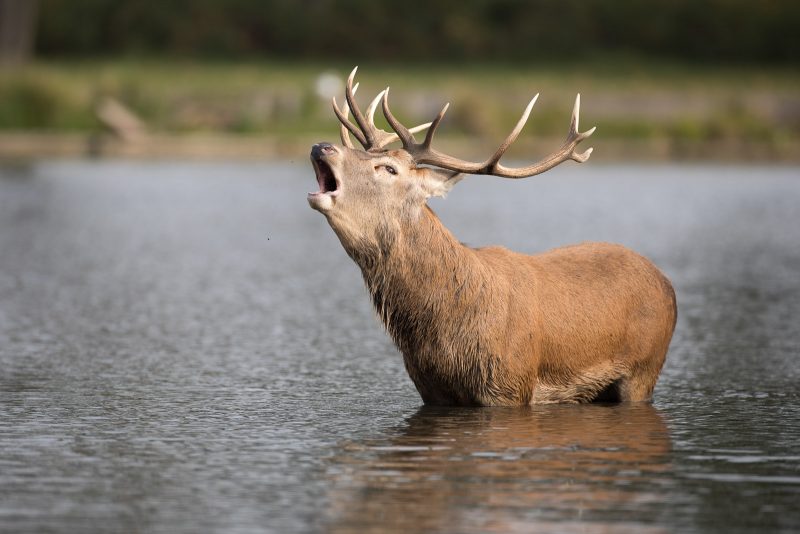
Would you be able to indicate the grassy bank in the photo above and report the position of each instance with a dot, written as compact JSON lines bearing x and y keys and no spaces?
{"x":660,"y":110}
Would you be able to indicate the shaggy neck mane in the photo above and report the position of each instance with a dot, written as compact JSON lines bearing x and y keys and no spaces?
{"x":426,"y":288}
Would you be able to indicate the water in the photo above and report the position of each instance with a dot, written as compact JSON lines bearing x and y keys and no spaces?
{"x":187,"y":348}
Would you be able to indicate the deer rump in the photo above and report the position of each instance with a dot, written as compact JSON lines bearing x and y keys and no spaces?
{"x":583,"y":323}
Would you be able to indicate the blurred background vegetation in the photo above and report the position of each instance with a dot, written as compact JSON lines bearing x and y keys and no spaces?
{"x":680,"y":79}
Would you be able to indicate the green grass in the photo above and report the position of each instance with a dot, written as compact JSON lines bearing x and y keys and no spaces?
{"x":625,"y":99}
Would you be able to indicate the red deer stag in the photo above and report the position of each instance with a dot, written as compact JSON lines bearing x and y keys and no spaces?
{"x":487,"y":326}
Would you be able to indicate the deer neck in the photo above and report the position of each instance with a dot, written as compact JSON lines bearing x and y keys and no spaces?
{"x":423,"y":284}
{"x":419,"y":266}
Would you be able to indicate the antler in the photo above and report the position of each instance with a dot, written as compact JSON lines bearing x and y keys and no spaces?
{"x":370,"y":136}
{"x":423,"y":153}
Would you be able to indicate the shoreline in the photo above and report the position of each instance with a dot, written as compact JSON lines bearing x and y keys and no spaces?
{"x":16,"y":146}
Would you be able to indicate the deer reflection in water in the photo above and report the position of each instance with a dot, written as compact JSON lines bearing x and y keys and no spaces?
{"x":594,"y":468}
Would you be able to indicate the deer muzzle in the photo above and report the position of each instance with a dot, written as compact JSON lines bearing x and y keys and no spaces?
{"x":326,"y":179}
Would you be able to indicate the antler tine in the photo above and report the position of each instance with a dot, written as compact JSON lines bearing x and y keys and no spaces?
{"x":357,"y":115}
{"x":405,"y":135}
{"x":576,"y":112}
{"x":419,"y":128}
{"x":349,"y":125}
{"x":342,"y":129}
{"x":373,"y":106}
{"x":434,"y":125}
{"x":382,"y":138}
{"x":575,"y":135}
{"x":513,"y":135}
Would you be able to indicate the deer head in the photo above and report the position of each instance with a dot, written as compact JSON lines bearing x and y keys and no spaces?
{"x":367,"y":193}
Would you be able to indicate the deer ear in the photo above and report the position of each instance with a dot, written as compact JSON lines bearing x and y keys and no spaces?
{"x":437,"y":182}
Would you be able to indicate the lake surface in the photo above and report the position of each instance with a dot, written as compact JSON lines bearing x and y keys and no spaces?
{"x":187,"y":348}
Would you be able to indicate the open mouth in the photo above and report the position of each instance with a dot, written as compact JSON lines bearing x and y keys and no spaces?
{"x":325,"y":178}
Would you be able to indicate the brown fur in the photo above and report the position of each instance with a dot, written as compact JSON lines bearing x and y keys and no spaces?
{"x":490,"y":326}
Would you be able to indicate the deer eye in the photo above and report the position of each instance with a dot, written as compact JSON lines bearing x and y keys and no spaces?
{"x":389,"y":169}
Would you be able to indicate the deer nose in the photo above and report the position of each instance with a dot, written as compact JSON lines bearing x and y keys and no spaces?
{"x":322,"y":149}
